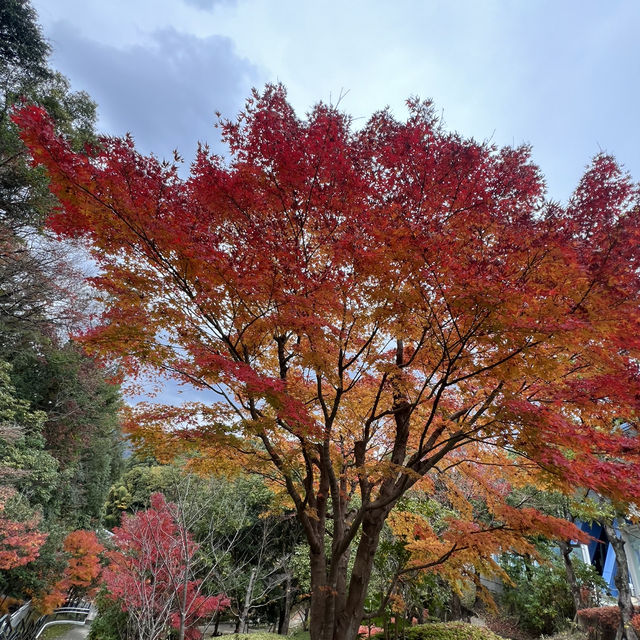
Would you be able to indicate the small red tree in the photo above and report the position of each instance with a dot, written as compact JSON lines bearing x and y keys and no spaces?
{"x":20,"y":541}
{"x":151,"y":574}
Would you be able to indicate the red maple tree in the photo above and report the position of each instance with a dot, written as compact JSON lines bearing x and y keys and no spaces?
{"x":368,"y":305}
{"x":151,"y":573}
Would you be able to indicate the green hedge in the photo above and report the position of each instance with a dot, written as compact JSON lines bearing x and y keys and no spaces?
{"x":434,"y":631}
{"x":447,"y":631}
{"x":259,"y":635}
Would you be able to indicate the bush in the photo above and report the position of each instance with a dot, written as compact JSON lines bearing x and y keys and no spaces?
{"x":111,"y":621}
{"x":541,"y":598}
{"x":446,"y":631}
{"x":259,"y":635}
{"x":601,"y":623}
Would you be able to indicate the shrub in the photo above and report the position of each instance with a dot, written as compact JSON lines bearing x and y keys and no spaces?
{"x":601,"y":623}
{"x":111,"y":621}
{"x":506,"y":627}
{"x":541,"y":598}
{"x":447,"y":631}
{"x":259,"y":635}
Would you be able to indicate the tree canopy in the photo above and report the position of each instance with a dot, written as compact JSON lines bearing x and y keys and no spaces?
{"x":374,"y":308}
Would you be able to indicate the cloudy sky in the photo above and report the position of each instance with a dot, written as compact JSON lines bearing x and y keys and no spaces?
{"x":563,"y":75}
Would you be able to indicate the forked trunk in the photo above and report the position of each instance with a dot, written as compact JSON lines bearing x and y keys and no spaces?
{"x":337,"y":610}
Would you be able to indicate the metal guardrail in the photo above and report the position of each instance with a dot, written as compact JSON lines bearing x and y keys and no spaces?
{"x":11,"y":620}
{"x":23,"y":626}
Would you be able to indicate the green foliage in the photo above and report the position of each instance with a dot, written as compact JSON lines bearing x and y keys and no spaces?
{"x":541,"y":597}
{"x":24,"y":193}
{"x":593,"y":509}
{"x":73,"y":112}
{"x":240,"y":540}
{"x":72,"y":390}
{"x":68,"y":452}
{"x":24,"y":74}
{"x":15,"y":413}
{"x":429,"y":591}
{"x":259,"y":635}
{"x":69,"y":449}
{"x":420,"y":503}
{"x":111,"y":621}
{"x":81,"y":428}
{"x":424,"y":590}
{"x":132,"y":491}
{"x":447,"y":631}
{"x":232,"y":504}
{"x":242,"y":537}
{"x":23,"y":459}
{"x":40,"y":482}
{"x":22,"y":47}
{"x":301,"y":566}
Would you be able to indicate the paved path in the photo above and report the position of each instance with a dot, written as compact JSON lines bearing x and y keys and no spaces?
{"x":79,"y":632}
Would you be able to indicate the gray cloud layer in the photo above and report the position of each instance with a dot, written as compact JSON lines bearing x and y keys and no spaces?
{"x":165,"y":93}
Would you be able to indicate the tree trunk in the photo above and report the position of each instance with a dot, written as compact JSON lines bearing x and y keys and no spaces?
{"x":283,"y":626}
{"x":335,"y":613}
{"x":243,"y":624}
{"x":456,"y":607}
{"x":318,"y":595}
{"x":346,"y":626}
{"x":565,"y":548}
{"x":626,"y":629}
{"x":181,"y":627}
{"x":278,"y":626}
{"x":183,"y":610}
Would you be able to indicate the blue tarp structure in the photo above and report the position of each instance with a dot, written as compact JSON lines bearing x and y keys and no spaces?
{"x":601,"y":554}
